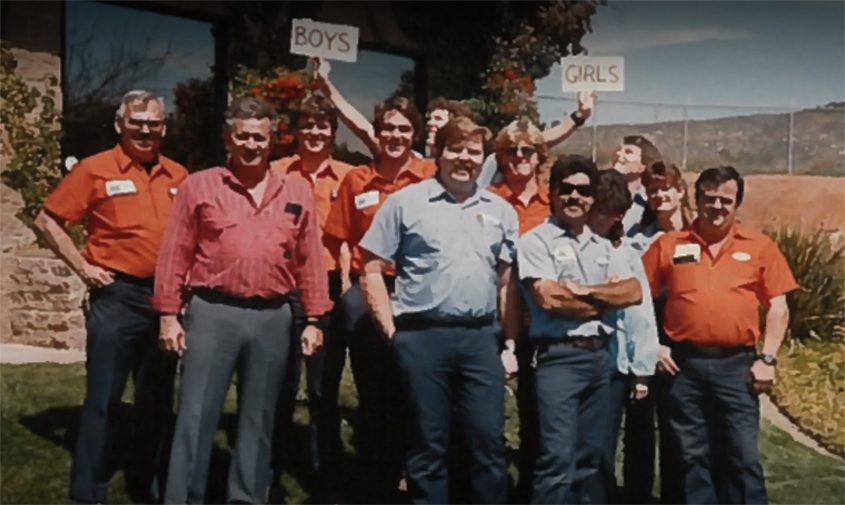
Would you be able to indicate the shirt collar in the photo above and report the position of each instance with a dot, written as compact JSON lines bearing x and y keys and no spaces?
{"x":587,"y":236}
{"x":737,"y":231}
{"x":124,"y":162}
{"x":503,"y":190}
{"x":275,"y":182}
{"x":436,"y":191}
{"x":327,"y":171}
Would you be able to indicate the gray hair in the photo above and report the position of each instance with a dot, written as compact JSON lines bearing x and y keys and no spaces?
{"x":250,"y":107}
{"x":137,"y":96}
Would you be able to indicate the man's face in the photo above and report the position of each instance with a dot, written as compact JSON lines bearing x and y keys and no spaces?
{"x":314,"y":135}
{"x":435,"y":119}
{"x":573,"y":199}
{"x":663,"y":197}
{"x":601,"y":223}
{"x":717,"y":205}
{"x":460,"y":162}
{"x":629,"y":160}
{"x":141,"y":130}
{"x":520,"y":161}
{"x":248,"y":142}
{"x":396,"y":134}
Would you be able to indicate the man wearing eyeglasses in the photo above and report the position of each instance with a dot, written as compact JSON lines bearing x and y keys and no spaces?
{"x":126,"y":192}
{"x":574,"y":282}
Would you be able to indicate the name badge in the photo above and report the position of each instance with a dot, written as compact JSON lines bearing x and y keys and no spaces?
{"x":686,"y":253}
{"x":741,"y":256}
{"x":115,"y":188}
{"x":365,"y":200}
{"x":564,"y":253}
{"x":487,"y":219}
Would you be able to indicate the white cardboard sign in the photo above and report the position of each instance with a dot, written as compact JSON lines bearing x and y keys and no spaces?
{"x":593,"y":73}
{"x":324,"y":40}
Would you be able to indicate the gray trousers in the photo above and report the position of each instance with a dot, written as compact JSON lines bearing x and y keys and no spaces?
{"x":221,"y":340}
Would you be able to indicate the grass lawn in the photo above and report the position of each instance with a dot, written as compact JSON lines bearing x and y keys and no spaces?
{"x":40,"y":408}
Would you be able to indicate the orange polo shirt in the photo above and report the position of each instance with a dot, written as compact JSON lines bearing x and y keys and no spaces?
{"x":127,"y":208}
{"x":531,"y":215}
{"x":715,"y":301}
{"x":324,"y":186}
{"x":361,"y":194}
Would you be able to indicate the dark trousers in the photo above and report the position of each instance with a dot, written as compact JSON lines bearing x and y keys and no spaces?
{"x":122,"y":339}
{"x":572,"y":390}
{"x":223,"y":339}
{"x":526,"y":399}
{"x":323,"y":373}
{"x":712,"y":405}
{"x":456,"y":370}
{"x":380,"y":429}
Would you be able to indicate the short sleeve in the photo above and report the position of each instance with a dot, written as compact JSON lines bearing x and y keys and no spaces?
{"x":383,"y":236}
{"x":777,"y":276}
{"x":651,"y":263}
{"x":533,"y":258}
{"x":71,"y":198}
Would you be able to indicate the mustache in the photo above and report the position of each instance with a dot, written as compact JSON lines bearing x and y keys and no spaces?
{"x":572,"y":201}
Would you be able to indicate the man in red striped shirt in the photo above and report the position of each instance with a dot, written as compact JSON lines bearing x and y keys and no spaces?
{"x":240,"y":239}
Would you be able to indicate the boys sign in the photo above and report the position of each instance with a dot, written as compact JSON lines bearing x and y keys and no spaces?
{"x":589,"y":73}
{"x":324,"y":40}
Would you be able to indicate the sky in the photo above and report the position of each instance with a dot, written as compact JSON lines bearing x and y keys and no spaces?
{"x":722,"y":58}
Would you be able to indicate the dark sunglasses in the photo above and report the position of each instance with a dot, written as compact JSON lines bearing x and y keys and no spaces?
{"x":401,"y":128}
{"x":522,"y":151}
{"x":582,"y":189}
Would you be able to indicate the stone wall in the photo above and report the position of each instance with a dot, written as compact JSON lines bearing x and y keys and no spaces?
{"x":40,"y":298}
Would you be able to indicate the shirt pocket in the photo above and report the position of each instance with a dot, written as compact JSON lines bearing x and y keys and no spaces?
{"x":743,"y":276}
{"x":683,"y":278}
{"x":124,"y":212}
{"x":215,"y":223}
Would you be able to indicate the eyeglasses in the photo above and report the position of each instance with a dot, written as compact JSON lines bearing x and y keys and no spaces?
{"x":388,"y":128}
{"x":521,"y":151}
{"x":582,"y":189}
{"x":138,"y":124}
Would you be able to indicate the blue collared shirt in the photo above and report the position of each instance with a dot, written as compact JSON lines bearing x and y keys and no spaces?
{"x":635,"y":345}
{"x":640,"y":237}
{"x":551,"y":252}
{"x":446,"y":253}
{"x":635,"y":213}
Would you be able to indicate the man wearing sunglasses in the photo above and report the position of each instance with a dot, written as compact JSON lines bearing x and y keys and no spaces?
{"x":574,"y":282}
{"x":127,"y":193}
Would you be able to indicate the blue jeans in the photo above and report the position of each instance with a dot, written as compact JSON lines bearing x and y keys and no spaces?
{"x":572,"y":398}
{"x":712,"y":404}
{"x":446,"y":370}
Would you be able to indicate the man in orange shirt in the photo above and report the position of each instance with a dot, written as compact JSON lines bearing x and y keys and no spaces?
{"x":315,"y":125}
{"x":126,"y":193}
{"x":716,"y":276}
{"x":379,"y":431}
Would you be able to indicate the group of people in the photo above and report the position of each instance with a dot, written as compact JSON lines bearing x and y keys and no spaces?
{"x":443,"y":276}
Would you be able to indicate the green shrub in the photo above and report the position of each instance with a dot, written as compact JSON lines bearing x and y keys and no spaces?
{"x":817,"y":308}
{"x":30,"y":134}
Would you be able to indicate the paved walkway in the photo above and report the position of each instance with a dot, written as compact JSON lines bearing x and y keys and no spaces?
{"x":17,"y":354}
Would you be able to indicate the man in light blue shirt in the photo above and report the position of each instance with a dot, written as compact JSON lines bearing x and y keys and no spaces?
{"x":631,"y":159}
{"x":453,"y":245}
{"x":575,"y":282}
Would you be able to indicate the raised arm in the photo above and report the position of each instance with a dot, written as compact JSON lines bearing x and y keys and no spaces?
{"x":351,"y":117}
{"x":557,"y":134}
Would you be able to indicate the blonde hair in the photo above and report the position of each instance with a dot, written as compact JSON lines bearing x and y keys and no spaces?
{"x":521,"y":130}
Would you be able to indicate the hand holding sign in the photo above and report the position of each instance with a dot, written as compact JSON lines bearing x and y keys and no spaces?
{"x":325,"y":40}
{"x":586,"y":103}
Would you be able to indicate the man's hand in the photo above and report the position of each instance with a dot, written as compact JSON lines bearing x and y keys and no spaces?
{"x":321,"y":69}
{"x":762,"y":377}
{"x":586,"y":103}
{"x":665,"y":363}
{"x":389,"y":330}
{"x":639,"y":388}
{"x":509,"y":360}
{"x":95,"y":276}
{"x":312,"y":339}
{"x":171,"y":335}
{"x":575,"y":288}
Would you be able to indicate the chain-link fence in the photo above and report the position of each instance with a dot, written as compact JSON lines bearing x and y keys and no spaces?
{"x":776,"y":140}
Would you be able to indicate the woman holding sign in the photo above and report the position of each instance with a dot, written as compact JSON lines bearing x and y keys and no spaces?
{"x":397,"y":126}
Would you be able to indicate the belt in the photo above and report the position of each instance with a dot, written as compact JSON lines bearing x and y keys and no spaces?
{"x":144,"y":282}
{"x":253,"y":302}
{"x":412,"y":322}
{"x":690,"y":350}
{"x":595,"y":343}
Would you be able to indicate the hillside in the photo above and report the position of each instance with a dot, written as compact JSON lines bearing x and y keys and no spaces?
{"x":752,"y":144}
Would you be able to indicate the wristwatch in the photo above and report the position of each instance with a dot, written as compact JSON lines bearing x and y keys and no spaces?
{"x":578,"y":119}
{"x":769,"y":359}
